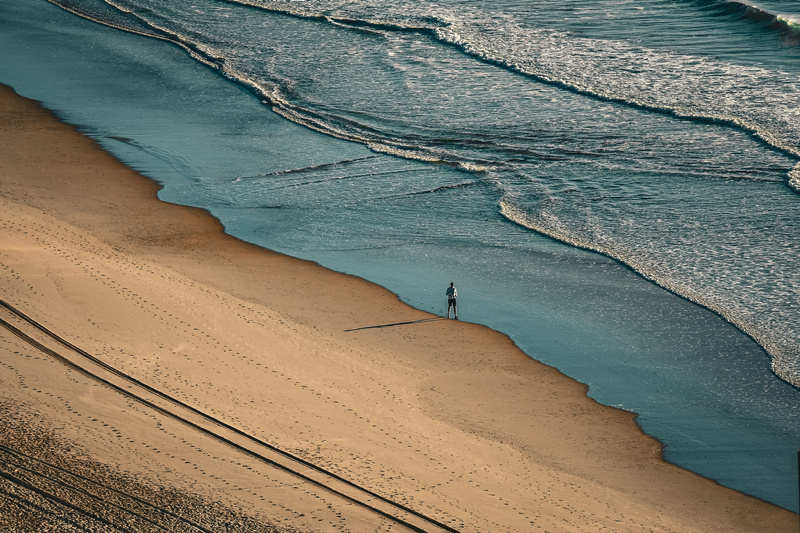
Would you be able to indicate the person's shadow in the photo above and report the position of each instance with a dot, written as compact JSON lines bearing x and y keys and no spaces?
{"x":434,"y":319}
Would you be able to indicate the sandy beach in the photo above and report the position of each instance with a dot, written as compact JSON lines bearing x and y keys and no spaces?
{"x":160,"y":374}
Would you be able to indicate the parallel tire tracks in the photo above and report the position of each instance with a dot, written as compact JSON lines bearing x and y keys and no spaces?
{"x":92,"y":367}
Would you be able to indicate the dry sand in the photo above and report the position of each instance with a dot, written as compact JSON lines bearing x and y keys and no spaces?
{"x":449,"y":419}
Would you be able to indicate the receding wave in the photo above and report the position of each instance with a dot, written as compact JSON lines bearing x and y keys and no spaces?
{"x":312,"y":168}
{"x":549,"y":56}
{"x":784,"y":359}
{"x":641,"y":78}
{"x":512,"y":48}
{"x":111,"y":16}
{"x":378,"y":22}
{"x":462,"y":185}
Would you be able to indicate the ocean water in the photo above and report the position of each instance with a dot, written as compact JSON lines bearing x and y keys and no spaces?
{"x":612,"y":184}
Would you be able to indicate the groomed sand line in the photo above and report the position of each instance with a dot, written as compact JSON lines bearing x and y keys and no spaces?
{"x":449,"y":419}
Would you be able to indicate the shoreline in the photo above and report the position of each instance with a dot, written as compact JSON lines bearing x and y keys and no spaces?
{"x":450,"y":418}
{"x":767,"y":346}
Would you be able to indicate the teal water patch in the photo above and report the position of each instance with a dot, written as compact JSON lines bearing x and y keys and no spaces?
{"x":700,"y":386}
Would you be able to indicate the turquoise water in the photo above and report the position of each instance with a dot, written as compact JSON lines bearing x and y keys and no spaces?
{"x":449,"y":142}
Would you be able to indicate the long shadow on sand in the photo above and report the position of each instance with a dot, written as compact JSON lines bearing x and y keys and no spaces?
{"x":399,"y":324}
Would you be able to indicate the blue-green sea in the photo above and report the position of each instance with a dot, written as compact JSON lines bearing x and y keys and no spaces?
{"x":613,"y":184}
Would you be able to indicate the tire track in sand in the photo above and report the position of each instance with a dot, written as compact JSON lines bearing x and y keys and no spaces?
{"x":51,"y":344}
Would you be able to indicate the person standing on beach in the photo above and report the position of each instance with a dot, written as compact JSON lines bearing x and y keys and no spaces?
{"x":452,"y":294}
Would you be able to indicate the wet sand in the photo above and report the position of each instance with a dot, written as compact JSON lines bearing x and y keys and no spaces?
{"x":207,"y":359}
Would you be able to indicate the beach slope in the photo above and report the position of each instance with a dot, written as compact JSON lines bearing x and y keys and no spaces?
{"x":156,"y":372}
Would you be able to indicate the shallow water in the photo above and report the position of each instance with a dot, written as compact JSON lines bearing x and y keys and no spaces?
{"x":702,"y":207}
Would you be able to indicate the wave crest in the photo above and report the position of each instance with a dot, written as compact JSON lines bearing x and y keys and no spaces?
{"x":785,"y":361}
